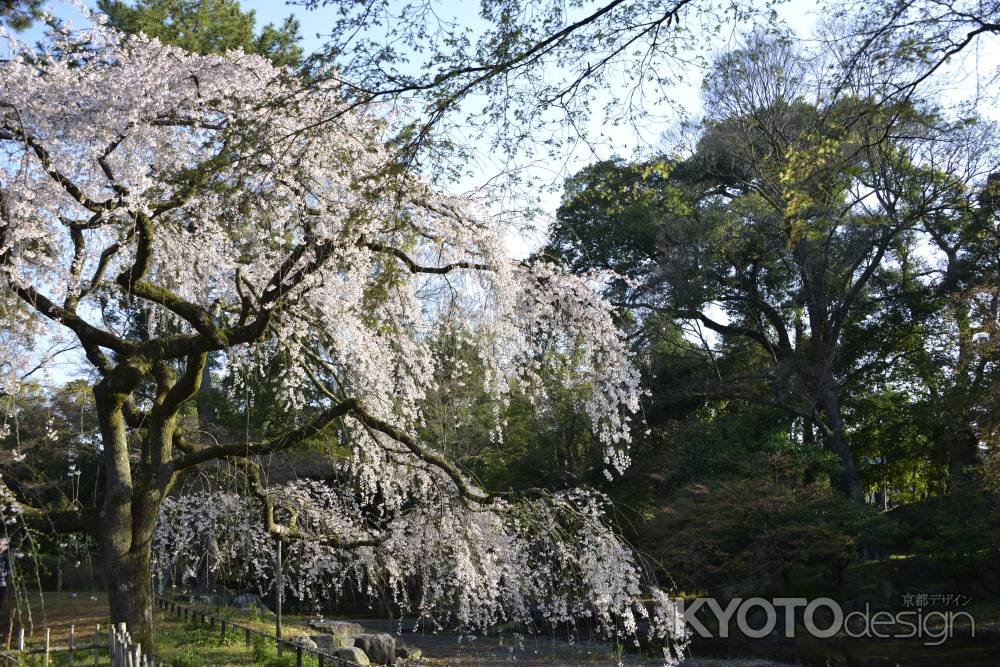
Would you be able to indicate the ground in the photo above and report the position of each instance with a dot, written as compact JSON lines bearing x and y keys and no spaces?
{"x":193,"y":644}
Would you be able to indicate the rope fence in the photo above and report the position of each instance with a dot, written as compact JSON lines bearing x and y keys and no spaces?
{"x":202,"y":617}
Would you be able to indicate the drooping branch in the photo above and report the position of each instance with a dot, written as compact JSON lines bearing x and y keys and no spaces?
{"x":316,"y":426}
{"x":11,"y":132}
{"x":422,"y":453}
{"x":291,"y":530}
{"x":414,"y":267}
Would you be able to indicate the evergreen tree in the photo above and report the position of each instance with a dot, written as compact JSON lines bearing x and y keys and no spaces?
{"x":207,"y":26}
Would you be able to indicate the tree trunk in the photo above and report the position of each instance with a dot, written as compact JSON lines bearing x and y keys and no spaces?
{"x":963,"y":455}
{"x":130,"y":590}
{"x":836,"y":441}
{"x":203,"y":404}
{"x":129,"y":513}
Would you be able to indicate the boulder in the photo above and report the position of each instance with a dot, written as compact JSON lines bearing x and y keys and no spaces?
{"x":246,"y":601}
{"x":250,"y":602}
{"x":337,"y":628}
{"x":211,"y":599}
{"x":408,"y":653}
{"x":304,"y":642}
{"x":380,"y":648}
{"x":330,"y":642}
{"x":352,"y":654}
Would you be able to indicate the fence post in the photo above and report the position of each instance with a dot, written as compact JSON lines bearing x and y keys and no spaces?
{"x":72,"y":643}
{"x":246,"y":637}
{"x":298,"y":655}
{"x":97,"y":642}
{"x":47,"y":635}
{"x":322,"y":659}
{"x":278,"y":586}
{"x":20,"y":639}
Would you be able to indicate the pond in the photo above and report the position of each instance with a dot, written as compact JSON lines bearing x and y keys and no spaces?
{"x":449,"y":649}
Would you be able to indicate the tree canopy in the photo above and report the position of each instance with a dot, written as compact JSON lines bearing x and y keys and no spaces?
{"x":206,"y":26}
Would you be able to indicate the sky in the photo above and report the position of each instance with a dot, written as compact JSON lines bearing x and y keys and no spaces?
{"x":618,"y":141}
{"x":800,"y":16}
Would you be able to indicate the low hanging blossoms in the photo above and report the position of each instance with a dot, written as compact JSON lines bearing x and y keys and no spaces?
{"x":547,"y":562}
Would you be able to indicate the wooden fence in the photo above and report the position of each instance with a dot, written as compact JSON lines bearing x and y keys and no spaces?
{"x":204,"y":618}
{"x":74,"y":648}
{"x":125,"y":652}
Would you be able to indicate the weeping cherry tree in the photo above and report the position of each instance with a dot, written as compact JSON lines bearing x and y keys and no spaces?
{"x":234,"y":211}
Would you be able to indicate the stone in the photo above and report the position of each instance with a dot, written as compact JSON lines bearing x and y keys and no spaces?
{"x":352,"y":654}
{"x":337,"y":628}
{"x":408,"y":653}
{"x":380,"y":648}
{"x":330,"y":642}
{"x":250,"y":602}
{"x":304,"y":642}
{"x":246,"y":601}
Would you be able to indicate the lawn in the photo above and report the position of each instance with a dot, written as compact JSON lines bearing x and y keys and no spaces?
{"x":179,"y":643}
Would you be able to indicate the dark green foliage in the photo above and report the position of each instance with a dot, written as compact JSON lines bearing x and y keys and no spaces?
{"x":57,"y":435}
{"x":206,"y":26}
{"x":548,"y":442}
{"x":19,"y":14}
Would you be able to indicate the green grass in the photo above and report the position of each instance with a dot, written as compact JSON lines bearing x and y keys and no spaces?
{"x":178,"y":642}
{"x":193,"y":644}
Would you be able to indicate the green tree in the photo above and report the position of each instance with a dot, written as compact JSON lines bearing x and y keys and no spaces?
{"x":207,"y":26}
{"x":19,"y":14}
{"x":771,"y":237}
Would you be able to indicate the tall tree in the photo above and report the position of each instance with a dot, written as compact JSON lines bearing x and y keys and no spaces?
{"x":207,"y":26}
{"x":205,"y":190}
{"x":771,"y":235}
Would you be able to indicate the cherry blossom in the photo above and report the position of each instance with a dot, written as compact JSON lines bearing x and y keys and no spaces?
{"x":232,"y":209}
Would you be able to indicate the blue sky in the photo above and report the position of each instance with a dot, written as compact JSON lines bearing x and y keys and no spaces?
{"x":623,"y":141}
{"x":799,"y":15}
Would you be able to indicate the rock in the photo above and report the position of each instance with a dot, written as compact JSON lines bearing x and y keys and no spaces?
{"x":380,"y":648}
{"x":330,"y":642}
{"x":304,"y":642}
{"x":246,"y":600}
{"x":352,"y":654}
{"x":408,"y":653}
{"x":337,"y":628}
{"x":250,"y":602}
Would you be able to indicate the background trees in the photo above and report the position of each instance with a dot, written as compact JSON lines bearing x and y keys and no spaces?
{"x":797,"y":280}
{"x":206,"y":26}
{"x":787,"y":235}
